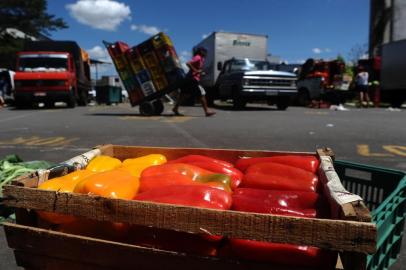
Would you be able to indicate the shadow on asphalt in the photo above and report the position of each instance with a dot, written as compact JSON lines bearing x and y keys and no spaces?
{"x":135,"y":114}
{"x":247,"y":108}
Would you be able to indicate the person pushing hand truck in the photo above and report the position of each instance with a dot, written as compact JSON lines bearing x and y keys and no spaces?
{"x":192,"y":85}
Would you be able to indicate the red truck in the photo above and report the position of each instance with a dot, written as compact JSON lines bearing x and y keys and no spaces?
{"x":50,"y":71}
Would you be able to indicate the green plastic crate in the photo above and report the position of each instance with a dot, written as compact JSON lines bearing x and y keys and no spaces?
{"x":384,"y":192}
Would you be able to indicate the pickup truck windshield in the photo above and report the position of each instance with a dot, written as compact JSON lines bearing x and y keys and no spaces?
{"x":249,"y":65}
{"x":43,"y":62}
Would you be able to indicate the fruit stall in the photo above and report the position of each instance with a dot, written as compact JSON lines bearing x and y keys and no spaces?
{"x":121,"y":207}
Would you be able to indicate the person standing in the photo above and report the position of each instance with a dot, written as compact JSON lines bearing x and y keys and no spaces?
{"x":361,"y":84}
{"x":192,"y":82}
{"x":3,"y":89}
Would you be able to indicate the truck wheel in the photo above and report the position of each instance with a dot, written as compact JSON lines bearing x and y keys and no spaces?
{"x":49,"y":104}
{"x":21,"y":103}
{"x":147,"y":108}
{"x":83,"y":99}
{"x":158,"y":107}
{"x":71,"y":100}
{"x":238,"y":101}
{"x":282,"y":104}
{"x":303,"y":97}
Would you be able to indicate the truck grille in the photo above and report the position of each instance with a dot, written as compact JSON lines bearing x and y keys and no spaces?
{"x":40,"y":83}
{"x":270,"y":82}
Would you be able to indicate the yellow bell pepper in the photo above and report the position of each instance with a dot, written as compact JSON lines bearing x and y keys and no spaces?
{"x":117,"y":183}
{"x":136,"y":165}
{"x":103,"y":163}
{"x":65,"y":183}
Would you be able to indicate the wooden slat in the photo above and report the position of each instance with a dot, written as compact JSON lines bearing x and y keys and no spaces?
{"x":355,"y":211}
{"x":32,"y":261}
{"x":123,"y":152}
{"x":323,"y":233}
{"x":45,"y":249}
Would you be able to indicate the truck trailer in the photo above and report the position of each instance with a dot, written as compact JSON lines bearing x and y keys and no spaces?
{"x":50,"y":71}
{"x":393,"y":67}
{"x":236,"y":68}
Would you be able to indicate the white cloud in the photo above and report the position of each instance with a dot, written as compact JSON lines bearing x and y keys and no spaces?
{"x":97,"y":52}
{"x":146,"y":29}
{"x":100,"y":14}
{"x":101,"y":54}
{"x":205,"y":36}
{"x":317,"y":50}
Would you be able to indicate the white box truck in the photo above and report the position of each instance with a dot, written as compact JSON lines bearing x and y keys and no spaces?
{"x":393,"y":79}
{"x":236,"y":68}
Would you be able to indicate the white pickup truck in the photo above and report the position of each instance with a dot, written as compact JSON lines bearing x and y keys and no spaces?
{"x":236,"y":68}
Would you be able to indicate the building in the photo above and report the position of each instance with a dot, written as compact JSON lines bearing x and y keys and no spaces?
{"x":387,"y":23}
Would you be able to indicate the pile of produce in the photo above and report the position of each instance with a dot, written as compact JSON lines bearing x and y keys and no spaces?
{"x":11,"y":167}
{"x":283,"y":185}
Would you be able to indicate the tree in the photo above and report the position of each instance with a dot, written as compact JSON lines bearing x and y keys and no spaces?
{"x":357,"y":52}
{"x":30,"y":17}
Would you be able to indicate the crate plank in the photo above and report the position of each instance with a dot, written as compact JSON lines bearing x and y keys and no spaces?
{"x":123,"y":152}
{"x":32,"y":261}
{"x":41,"y":249}
{"x":324,"y":233}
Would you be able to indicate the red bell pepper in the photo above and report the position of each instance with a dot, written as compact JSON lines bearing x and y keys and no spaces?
{"x":189,"y":195}
{"x":235,"y":175}
{"x":201,"y":158}
{"x":280,"y":202}
{"x":284,"y":254}
{"x":177,"y":173}
{"x":158,"y":181}
{"x":308,"y":163}
{"x":290,"y":203}
{"x":170,"y":179}
{"x":214,"y":165}
{"x":269,"y":175}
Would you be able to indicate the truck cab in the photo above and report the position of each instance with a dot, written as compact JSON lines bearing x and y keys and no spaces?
{"x":245,"y":80}
{"x":51,"y":71}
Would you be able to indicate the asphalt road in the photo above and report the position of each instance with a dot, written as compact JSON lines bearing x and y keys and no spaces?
{"x":371,"y":136}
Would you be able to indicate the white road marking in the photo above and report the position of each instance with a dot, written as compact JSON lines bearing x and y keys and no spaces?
{"x":16,"y":117}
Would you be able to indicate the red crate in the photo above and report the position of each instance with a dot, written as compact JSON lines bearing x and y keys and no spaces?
{"x":118,"y":48}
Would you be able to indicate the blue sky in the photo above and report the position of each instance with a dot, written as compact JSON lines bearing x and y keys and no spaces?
{"x":297,"y":29}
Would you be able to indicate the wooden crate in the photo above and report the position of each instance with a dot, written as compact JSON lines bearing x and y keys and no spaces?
{"x":350,"y":232}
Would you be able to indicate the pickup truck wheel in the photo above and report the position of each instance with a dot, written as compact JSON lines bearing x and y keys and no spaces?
{"x":238,"y":101}
{"x":282,"y":104}
{"x":303,"y":97}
